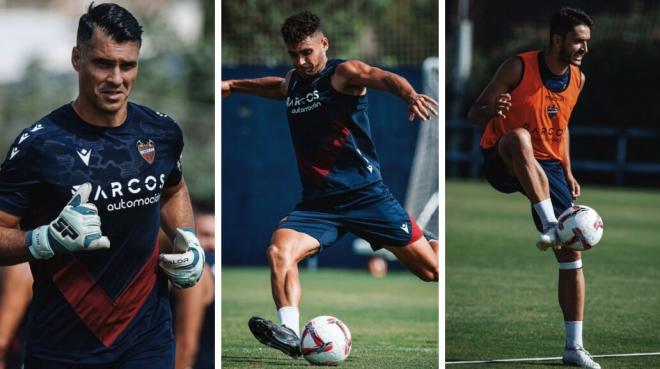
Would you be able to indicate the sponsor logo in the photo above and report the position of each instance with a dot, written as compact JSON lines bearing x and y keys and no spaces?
{"x":147,"y":150}
{"x":13,"y":153}
{"x":404,"y":226}
{"x":544,"y":134}
{"x":150,"y":187}
{"x":64,"y":229}
{"x":84,"y":155}
{"x":23,"y":137}
{"x":37,"y":127}
{"x":303,"y":104}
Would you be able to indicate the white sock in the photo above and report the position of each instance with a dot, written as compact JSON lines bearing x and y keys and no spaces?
{"x":573,"y":334}
{"x":290,"y":316}
{"x":546,"y":213}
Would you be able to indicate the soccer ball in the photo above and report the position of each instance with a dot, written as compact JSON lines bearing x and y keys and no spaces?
{"x":326,"y":341}
{"x":579,"y":227}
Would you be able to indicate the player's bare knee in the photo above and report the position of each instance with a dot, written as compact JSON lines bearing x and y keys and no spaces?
{"x":430,"y":274}
{"x":277,"y":255}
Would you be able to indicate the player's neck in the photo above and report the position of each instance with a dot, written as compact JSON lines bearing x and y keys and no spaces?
{"x":93,"y":116}
{"x":555,"y":64}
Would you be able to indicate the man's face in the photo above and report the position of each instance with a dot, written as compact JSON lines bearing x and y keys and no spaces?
{"x":205,"y":228}
{"x":575,"y":45}
{"x":106,"y":73}
{"x":308,"y":57}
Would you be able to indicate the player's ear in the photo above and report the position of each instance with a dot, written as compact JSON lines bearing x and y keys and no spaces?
{"x":325,"y":43}
{"x":75,"y":58}
{"x":557,"y":41}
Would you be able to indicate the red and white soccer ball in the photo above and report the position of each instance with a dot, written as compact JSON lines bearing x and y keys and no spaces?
{"x":326,"y":340}
{"x":580,"y":227}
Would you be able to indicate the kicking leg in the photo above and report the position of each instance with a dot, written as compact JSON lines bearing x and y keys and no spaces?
{"x":420,"y":258}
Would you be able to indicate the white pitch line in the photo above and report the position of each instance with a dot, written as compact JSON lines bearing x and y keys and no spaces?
{"x":545,"y":358}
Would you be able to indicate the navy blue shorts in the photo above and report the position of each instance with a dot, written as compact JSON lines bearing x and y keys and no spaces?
{"x":142,"y":356}
{"x":371,"y":213}
{"x":499,"y":176}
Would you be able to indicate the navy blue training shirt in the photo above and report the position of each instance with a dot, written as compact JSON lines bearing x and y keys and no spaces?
{"x":91,"y":306}
{"x":331,"y":136}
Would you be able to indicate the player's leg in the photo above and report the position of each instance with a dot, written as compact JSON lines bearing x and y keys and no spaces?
{"x":515,"y":150}
{"x":419,"y":257}
{"x":288,"y":248}
{"x":383,"y":222}
{"x":571,"y":285}
{"x":299,"y":235}
{"x":571,"y":295}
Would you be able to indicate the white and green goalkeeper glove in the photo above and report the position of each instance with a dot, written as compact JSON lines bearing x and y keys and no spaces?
{"x":184,"y":267}
{"x":78,"y":227}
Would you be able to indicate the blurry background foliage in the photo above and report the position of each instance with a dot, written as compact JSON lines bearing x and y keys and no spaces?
{"x":175,"y":78}
{"x":386,"y":33}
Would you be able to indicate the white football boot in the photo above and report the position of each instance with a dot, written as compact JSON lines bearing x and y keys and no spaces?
{"x":579,"y":357}
{"x":549,"y":239}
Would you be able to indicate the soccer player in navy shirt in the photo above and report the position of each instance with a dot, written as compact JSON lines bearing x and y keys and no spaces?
{"x":92,"y":182}
{"x":342,"y":187}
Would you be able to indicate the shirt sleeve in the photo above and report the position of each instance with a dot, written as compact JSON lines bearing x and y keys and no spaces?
{"x":18,"y":177}
{"x":176,"y":174}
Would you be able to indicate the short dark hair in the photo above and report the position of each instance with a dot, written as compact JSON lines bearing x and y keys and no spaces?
{"x":566,"y":19}
{"x":298,"y":27}
{"x":115,"y":21}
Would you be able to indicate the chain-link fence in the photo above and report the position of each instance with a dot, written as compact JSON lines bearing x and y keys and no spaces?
{"x":382,"y":32}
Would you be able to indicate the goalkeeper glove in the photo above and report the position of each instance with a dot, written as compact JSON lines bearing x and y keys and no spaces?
{"x":78,"y":227}
{"x":184,"y":267}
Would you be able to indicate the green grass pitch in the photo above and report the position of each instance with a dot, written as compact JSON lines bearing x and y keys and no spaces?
{"x":393,"y":320}
{"x":501,"y":294}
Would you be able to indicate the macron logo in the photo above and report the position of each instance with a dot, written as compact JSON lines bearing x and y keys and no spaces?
{"x":37,"y":127}
{"x":84,"y":155}
{"x":23,"y":137}
{"x":404,"y":226}
{"x":13,"y":153}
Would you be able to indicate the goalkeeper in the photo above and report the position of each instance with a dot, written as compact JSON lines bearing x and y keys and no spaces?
{"x":92,"y":182}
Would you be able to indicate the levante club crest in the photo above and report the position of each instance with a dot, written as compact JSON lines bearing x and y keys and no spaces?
{"x":147,"y":150}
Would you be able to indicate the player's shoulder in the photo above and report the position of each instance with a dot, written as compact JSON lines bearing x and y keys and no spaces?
{"x":154,"y":118}
{"x":30,"y":141}
{"x":348,"y":67}
{"x":44,"y":128}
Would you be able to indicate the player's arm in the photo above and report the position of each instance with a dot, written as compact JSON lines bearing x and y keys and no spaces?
{"x":183,"y":264}
{"x":268,"y":87}
{"x":189,"y":315}
{"x":12,"y":241}
{"x":573,"y":184}
{"x":495,"y":99}
{"x":353,"y":76}
{"x":175,"y":209}
{"x":16,"y":296}
{"x":76,"y":228}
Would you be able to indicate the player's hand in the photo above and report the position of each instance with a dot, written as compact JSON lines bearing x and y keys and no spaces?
{"x":573,"y":185}
{"x":184,"y":267}
{"x":78,"y":227}
{"x":502,"y":104}
{"x":225,"y":87}
{"x":421,"y":106}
